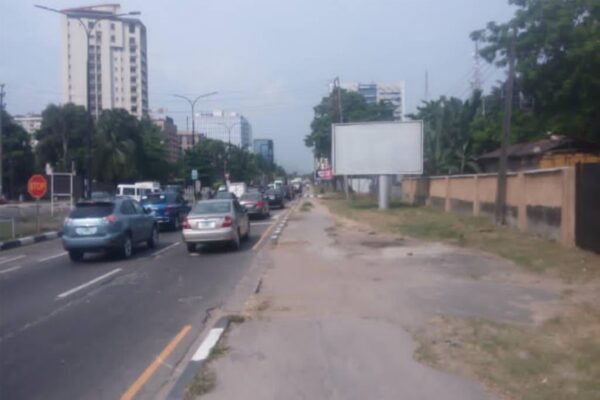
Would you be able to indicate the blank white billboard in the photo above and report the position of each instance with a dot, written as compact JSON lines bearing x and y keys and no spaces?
{"x":377,"y":148}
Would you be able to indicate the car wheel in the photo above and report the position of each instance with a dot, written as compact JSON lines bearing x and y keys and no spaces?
{"x":76,"y":255}
{"x":235,"y":243}
{"x":153,"y":241}
{"x":191,"y":247}
{"x":126,"y":248}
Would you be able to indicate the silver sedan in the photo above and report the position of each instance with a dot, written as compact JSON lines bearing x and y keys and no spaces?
{"x":213,"y":221}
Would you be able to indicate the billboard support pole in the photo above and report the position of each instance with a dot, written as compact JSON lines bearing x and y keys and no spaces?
{"x":384,"y":195}
{"x":346,"y":191}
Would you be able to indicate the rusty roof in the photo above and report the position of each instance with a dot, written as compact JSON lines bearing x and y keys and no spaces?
{"x":560,"y":144}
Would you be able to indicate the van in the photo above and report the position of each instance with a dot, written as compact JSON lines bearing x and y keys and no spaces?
{"x":137,"y":190}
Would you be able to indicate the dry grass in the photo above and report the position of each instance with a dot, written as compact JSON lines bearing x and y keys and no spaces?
{"x":306,"y":206}
{"x":560,"y":359}
{"x":533,"y":253}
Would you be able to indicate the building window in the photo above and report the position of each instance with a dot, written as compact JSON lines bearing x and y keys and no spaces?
{"x":133,"y":109}
{"x":112,"y":38}
{"x":112,"y":26}
{"x":91,"y":24}
{"x":131,"y":28}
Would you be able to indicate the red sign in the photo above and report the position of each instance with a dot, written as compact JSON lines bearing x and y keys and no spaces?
{"x":325,"y":174}
{"x":37,"y":186}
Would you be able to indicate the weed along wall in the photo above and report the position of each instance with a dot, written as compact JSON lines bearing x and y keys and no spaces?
{"x":540,"y":202}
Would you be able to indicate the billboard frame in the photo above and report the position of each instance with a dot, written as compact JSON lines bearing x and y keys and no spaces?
{"x":421,"y":149}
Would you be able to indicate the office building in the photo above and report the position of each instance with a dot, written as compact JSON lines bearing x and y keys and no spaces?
{"x":230,"y":127}
{"x":391,"y":92}
{"x":264,"y":148}
{"x":171,"y":139}
{"x":118,"y":72}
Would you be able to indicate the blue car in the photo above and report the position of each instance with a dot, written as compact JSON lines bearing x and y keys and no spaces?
{"x":168,"y":209}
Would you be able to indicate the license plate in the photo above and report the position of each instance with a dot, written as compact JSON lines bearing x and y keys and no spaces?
{"x":86,"y":231}
{"x":206,"y":224}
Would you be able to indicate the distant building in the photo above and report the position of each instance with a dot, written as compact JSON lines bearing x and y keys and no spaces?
{"x":31,"y":123}
{"x":557,"y":151}
{"x":118,"y":73}
{"x":227,"y":126}
{"x":391,"y":92}
{"x":185,"y":139}
{"x":264,"y":148}
{"x":172,"y":139}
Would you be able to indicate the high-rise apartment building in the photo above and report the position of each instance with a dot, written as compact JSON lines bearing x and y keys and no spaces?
{"x":171,"y":140}
{"x":118,"y":70}
{"x":264,"y":148}
{"x":391,"y":92}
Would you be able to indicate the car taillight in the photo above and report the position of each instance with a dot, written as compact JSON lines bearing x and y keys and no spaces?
{"x":168,"y":209}
{"x":260,"y":203}
{"x":186,"y":223}
{"x":111,"y":218}
{"x":227,"y":221}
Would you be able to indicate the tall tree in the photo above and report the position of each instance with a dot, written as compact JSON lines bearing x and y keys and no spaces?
{"x":62,"y":138}
{"x":17,"y":157}
{"x":355,"y":109}
{"x":557,"y":43}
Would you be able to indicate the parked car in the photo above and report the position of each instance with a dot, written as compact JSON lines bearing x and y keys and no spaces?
{"x":117,"y":225}
{"x":213,"y":221}
{"x":255,"y":204}
{"x":275,"y":197}
{"x":222,"y":195}
{"x":167,"y":208}
{"x":101,"y":196}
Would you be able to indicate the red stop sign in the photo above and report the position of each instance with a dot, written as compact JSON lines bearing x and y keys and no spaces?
{"x":37,"y":186}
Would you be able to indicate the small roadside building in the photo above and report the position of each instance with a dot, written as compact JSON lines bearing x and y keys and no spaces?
{"x":554,"y":152}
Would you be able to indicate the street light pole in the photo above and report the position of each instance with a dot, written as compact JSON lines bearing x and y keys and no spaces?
{"x":1,"y":132}
{"x":95,"y":18}
{"x":229,"y":128}
{"x":193,"y":105}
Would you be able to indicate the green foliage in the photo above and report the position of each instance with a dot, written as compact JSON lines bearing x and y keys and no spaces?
{"x":17,"y":157}
{"x":355,"y":109}
{"x":212,"y":158}
{"x":62,"y":138}
{"x":557,"y":47}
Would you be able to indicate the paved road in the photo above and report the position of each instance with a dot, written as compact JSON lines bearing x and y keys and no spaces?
{"x":87,"y":331}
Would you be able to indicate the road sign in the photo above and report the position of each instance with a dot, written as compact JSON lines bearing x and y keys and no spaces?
{"x":194,"y":174}
{"x":325,"y":174}
{"x":37,"y":186}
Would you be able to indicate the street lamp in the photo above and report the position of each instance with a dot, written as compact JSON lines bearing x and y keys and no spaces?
{"x":95,"y":17}
{"x":192,"y":105}
{"x":229,"y":128}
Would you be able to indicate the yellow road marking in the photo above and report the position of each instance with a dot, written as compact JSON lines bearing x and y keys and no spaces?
{"x":266,"y":233}
{"x":145,"y":376}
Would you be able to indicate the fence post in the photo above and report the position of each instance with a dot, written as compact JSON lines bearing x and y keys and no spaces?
{"x":522,"y":202}
{"x":567,"y":214}
{"x":447,"y":200}
{"x":476,"y":205}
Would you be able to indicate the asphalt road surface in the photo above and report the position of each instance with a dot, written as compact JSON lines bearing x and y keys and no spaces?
{"x":88,"y":330}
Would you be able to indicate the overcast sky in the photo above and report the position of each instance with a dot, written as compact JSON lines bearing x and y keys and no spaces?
{"x":271,"y":60}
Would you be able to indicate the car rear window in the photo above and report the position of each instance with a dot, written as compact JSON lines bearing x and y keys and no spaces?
{"x":154,"y":199}
{"x":92,"y":210}
{"x":224,"y":195}
{"x":251,"y":196}
{"x":216,"y":207}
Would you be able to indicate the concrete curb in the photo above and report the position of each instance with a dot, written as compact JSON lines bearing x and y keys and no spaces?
{"x":11,"y":244}
{"x":281,"y":225}
{"x":199,"y":358}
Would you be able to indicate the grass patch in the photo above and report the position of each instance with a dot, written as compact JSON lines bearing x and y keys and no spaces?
{"x":533,"y":253}
{"x":237,"y":318}
{"x":206,"y":379}
{"x":559,"y":359}
{"x":306,"y":206}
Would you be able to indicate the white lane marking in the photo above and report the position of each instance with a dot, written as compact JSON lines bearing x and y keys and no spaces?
{"x":208,"y":343}
{"x":95,"y":280}
{"x":12,"y":259}
{"x":4,"y":271}
{"x":164,"y":250}
{"x":64,"y":253}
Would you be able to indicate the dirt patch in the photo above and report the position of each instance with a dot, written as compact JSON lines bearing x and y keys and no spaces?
{"x":558,"y":359}
{"x":289,"y":243}
{"x":381,"y":244}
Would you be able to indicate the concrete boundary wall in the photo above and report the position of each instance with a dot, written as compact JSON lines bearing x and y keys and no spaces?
{"x":540,"y":202}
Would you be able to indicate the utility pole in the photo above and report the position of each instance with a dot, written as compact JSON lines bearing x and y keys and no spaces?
{"x":500,"y":210}
{"x":338,"y":92}
{"x":1,"y":133}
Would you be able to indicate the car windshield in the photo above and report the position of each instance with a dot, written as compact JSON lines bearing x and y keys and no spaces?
{"x":251,"y":197}
{"x":92,"y":210}
{"x":211,"y":207}
{"x":155,"y":199}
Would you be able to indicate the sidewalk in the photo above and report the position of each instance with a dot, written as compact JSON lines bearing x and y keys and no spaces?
{"x":339,"y":306}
